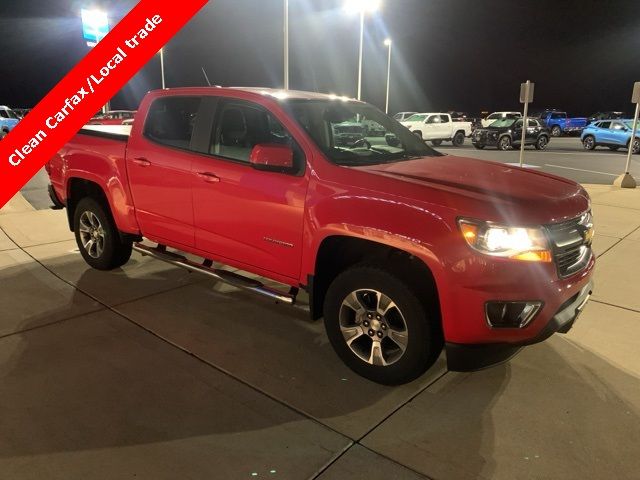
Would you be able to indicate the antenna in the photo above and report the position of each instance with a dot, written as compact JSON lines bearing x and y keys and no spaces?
{"x":205,"y":76}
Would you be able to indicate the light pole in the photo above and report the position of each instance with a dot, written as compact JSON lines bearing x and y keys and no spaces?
{"x":389,"y":44}
{"x":95,"y":26}
{"x":162,"y":67}
{"x":286,"y":44}
{"x":362,"y":7}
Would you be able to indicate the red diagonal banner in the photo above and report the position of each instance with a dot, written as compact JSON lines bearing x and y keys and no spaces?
{"x":97,"y":78}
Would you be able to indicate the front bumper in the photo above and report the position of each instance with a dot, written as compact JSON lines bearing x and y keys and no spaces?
{"x":470,"y":357}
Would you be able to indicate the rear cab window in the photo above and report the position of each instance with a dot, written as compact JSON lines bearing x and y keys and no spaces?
{"x":171,"y":121}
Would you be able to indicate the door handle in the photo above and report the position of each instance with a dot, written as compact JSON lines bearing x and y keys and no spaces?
{"x":143,"y":162}
{"x":209,"y":177}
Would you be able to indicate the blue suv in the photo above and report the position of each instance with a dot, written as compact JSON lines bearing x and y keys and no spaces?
{"x":8,"y":119}
{"x":614,"y":134}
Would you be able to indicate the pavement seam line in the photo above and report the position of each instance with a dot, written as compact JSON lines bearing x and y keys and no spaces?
{"x":332,"y":461}
{"x":54,"y":322}
{"x":615,"y":306}
{"x":409,"y":400}
{"x":191,"y":354}
{"x":619,"y":240}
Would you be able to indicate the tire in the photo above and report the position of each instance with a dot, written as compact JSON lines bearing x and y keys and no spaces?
{"x":614,"y":148}
{"x":418,"y":334}
{"x":589,"y":142}
{"x":479,"y":146}
{"x":98,"y":238}
{"x":556,"y":131}
{"x":504,"y":143}
{"x":436,"y":143}
{"x":458,"y":139}
{"x":418,"y":133}
{"x":542,"y":142}
{"x":636,"y":146}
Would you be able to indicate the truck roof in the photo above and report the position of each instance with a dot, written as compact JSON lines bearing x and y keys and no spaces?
{"x":271,"y":92}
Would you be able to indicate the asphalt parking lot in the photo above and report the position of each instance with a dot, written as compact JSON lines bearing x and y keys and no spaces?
{"x":150,"y":372}
{"x":564,"y":157}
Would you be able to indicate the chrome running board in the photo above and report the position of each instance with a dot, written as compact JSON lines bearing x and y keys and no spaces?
{"x":206,"y":268}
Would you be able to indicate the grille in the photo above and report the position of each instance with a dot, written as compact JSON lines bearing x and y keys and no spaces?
{"x":571,"y":242}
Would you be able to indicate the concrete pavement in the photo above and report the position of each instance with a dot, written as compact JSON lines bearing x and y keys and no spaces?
{"x":149,"y":372}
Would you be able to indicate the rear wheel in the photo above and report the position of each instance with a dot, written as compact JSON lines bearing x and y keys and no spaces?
{"x":504,"y":143}
{"x":556,"y":131}
{"x":635,"y":149}
{"x":98,"y":238}
{"x":418,"y":133}
{"x":589,"y":142}
{"x":436,"y":143}
{"x":458,"y":139}
{"x":379,"y":327}
{"x":542,"y":142}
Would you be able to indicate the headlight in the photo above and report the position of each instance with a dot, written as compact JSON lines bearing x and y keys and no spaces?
{"x":518,"y":243}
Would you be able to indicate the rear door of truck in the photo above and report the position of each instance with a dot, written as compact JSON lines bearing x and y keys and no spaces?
{"x":159,"y":162}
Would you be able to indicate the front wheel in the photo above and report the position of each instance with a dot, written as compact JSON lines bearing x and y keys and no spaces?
{"x":504,"y":143}
{"x":556,"y":131}
{"x":436,"y":143}
{"x":542,"y":142}
{"x":589,"y":142}
{"x":636,"y":146}
{"x":458,"y":139}
{"x":98,"y":238}
{"x":379,"y":327}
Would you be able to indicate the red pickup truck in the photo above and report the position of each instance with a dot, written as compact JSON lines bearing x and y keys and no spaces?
{"x":401,"y":249}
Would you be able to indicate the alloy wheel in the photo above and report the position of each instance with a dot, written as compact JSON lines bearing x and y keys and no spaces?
{"x":92,"y":234}
{"x":373,"y":327}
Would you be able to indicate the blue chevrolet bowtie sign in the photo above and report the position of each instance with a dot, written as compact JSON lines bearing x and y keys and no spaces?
{"x":95,"y":26}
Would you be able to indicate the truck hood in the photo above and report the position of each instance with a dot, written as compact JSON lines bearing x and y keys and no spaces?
{"x":487,"y":190}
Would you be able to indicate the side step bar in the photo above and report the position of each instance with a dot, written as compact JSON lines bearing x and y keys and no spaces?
{"x":225,"y":276}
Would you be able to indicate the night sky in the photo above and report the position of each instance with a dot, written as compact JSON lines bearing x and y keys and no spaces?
{"x":468,"y":55}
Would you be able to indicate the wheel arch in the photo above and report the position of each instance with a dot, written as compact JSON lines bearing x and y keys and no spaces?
{"x":354,"y":250}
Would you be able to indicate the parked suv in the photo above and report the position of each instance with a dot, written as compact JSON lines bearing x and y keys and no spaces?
{"x":8,"y":119}
{"x":401,"y":249}
{"x":507,"y":133}
{"x":614,"y":134}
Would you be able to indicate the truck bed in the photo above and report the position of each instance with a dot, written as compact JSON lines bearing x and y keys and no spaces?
{"x":112,"y":132}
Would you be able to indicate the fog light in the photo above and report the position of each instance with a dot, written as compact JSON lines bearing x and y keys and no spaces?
{"x":511,"y":314}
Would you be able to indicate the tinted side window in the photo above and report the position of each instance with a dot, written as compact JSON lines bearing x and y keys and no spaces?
{"x":533,"y":123}
{"x":444,"y":119}
{"x":4,"y":114}
{"x":604,"y":124}
{"x":241,"y":126}
{"x":171,"y":120}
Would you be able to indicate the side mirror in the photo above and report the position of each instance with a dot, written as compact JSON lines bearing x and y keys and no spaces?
{"x":272,"y":157}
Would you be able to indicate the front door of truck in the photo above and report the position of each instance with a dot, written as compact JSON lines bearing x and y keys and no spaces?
{"x":159,"y":160}
{"x":242,"y":214}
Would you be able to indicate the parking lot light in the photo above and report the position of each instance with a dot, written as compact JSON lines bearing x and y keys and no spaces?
{"x":362,"y":7}
{"x":388,"y":43}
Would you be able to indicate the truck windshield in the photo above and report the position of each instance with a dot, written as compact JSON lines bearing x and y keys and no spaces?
{"x":353,"y":133}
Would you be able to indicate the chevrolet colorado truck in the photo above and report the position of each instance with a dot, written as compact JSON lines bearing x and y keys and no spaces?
{"x":402,"y":250}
